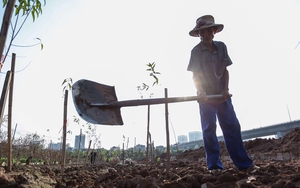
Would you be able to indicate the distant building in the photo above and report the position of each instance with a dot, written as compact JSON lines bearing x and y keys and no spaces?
{"x":82,"y":145}
{"x":195,"y":135}
{"x":69,"y":148}
{"x":182,"y":139}
{"x":55,"y":146}
{"x":58,"y":146}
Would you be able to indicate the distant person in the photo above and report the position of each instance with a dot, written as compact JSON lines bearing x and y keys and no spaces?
{"x":208,"y":62}
{"x":93,"y":157}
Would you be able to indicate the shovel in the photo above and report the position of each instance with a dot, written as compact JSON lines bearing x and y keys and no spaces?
{"x":98,"y":104}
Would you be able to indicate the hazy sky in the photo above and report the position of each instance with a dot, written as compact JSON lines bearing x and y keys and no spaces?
{"x":111,"y":42}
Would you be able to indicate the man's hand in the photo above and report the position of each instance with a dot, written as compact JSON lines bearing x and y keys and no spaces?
{"x":225,"y":94}
{"x":202,"y":95}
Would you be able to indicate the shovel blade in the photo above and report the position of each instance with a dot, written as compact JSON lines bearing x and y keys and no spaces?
{"x":86,"y":92}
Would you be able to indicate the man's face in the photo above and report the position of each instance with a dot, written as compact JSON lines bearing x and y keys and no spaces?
{"x":207,"y":34}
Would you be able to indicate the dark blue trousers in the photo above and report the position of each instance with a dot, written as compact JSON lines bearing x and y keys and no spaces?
{"x":231,"y":131}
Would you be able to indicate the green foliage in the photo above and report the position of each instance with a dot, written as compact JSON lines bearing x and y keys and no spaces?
{"x":67,"y":84}
{"x":24,"y":8}
{"x":104,"y":154}
{"x":42,"y":46}
{"x":23,"y":160}
{"x":158,"y":159}
{"x":37,"y":160}
{"x":3,"y":160}
{"x":153,"y":73}
{"x":4,"y":3}
{"x":27,"y":7}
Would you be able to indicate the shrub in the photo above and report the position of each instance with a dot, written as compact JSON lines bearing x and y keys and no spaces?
{"x":3,"y":160}
{"x":158,"y":159}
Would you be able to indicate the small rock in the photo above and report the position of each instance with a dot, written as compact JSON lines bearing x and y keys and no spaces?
{"x":144,"y":173}
{"x":174,"y":184}
{"x":21,"y":179}
{"x":244,"y":184}
{"x":71,"y":183}
{"x":144,"y":184}
{"x":208,"y":178}
{"x":227,"y":177}
{"x":181,"y":164}
{"x":208,"y":185}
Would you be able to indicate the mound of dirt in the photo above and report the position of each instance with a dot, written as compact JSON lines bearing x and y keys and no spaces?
{"x":288,"y":143}
{"x":187,"y":170}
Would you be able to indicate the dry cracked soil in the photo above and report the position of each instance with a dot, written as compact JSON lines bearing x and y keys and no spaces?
{"x":278,"y":161}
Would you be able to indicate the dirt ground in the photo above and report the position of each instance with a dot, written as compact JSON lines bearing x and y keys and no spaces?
{"x":278,"y":160}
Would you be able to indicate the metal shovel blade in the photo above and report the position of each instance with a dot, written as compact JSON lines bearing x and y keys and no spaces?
{"x":86,"y":92}
{"x":98,"y":104}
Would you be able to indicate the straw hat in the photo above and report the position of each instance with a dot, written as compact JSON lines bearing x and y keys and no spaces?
{"x":205,"y":22}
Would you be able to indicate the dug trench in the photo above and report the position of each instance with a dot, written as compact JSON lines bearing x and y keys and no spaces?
{"x":278,"y":159}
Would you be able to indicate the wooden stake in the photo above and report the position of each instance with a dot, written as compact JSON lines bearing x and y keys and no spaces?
{"x":88,"y":152}
{"x":147,"y":142}
{"x":63,"y":151}
{"x":167,"y":131}
{"x":10,"y":102}
{"x":4,"y":94}
{"x":14,"y":132}
{"x":123,"y":154}
{"x":79,"y":147}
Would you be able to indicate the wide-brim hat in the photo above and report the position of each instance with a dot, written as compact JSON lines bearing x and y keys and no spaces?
{"x":204,"y":22}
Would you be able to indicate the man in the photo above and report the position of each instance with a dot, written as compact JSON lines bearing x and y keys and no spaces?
{"x":208,"y":62}
{"x":93,"y":157}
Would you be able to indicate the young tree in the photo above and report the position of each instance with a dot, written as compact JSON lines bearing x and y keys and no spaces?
{"x":154,"y":74}
{"x":143,"y":87}
{"x":23,"y":9}
{"x":67,"y":84}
